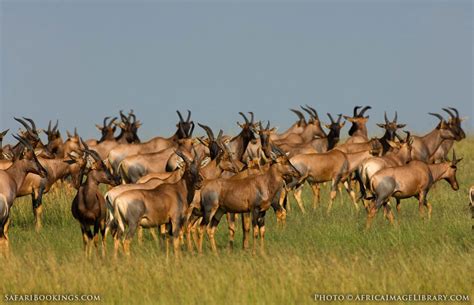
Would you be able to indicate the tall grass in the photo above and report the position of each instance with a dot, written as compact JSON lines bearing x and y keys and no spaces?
{"x":313,"y":253}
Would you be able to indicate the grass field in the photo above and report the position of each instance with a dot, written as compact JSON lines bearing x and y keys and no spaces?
{"x":314,"y":253}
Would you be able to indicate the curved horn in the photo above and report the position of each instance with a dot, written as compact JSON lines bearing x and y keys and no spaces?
{"x":385,"y":117}
{"x":245,"y":118}
{"x":268,"y":125}
{"x":450,"y":113}
{"x":190,"y":133}
{"x":208,"y":130}
{"x":112,"y":121}
{"x":339,"y":118}
{"x":180,"y":116}
{"x":355,"y":110}
{"x":299,"y":114}
{"x":455,"y":110}
{"x":24,"y":142}
{"x":123,"y":117}
{"x":361,"y":113}
{"x":105,"y":121}
{"x":315,"y":113}
{"x":28,"y":128}
{"x":49,"y":127}
{"x":436,"y":115}
{"x":251,"y":117}
{"x":308,"y":111}
{"x":395,"y":118}
{"x":131,"y":115}
{"x":75,"y":132}
{"x":219,"y":136}
{"x":408,"y":135}
{"x":189,"y":116}
{"x":56,"y":125}
{"x":31,"y":122}
{"x":330,"y":117}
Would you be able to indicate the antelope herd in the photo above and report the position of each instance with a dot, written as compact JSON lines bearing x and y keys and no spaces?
{"x":183,"y":185}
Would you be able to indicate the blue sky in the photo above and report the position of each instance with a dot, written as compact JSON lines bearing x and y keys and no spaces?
{"x":79,"y":61}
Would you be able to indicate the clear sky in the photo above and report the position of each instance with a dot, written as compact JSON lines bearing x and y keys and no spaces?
{"x":79,"y":61}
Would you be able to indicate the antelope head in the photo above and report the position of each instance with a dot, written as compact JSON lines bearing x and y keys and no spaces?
{"x":390,"y":127}
{"x":455,"y":123}
{"x":358,"y":120}
{"x":185,"y":127}
{"x":445,"y":130}
{"x":107,"y":129}
{"x":335,"y":127}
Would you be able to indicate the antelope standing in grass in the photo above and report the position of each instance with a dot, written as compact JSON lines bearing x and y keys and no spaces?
{"x":37,"y":186}
{"x":167,"y":204}
{"x":401,"y":155}
{"x":88,"y":206}
{"x":412,"y":180}
{"x":252,"y":195}
{"x":11,"y":181}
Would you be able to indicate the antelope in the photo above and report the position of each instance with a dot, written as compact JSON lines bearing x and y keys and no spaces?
{"x":360,"y":146}
{"x":358,"y":130}
{"x":390,"y":131}
{"x":167,"y":204}
{"x":296,"y":128}
{"x":119,"y":153}
{"x":238,"y":144}
{"x":311,"y":130}
{"x":454,"y":122}
{"x":425,"y":146}
{"x":401,"y":155}
{"x":88,"y":206}
{"x":37,"y":186}
{"x":72,"y":144}
{"x":334,"y":166}
{"x":134,"y":167}
{"x":411,"y":180}
{"x":11,"y":180}
{"x":254,"y":195}
{"x":107,"y":131}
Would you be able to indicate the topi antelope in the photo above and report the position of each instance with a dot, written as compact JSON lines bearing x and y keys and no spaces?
{"x":11,"y":181}
{"x":358,"y":130}
{"x":88,"y":206}
{"x":166,"y":204}
{"x":454,"y":122}
{"x":412,"y":180}
{"x":390,"y":131}
{"x":254,"y":195}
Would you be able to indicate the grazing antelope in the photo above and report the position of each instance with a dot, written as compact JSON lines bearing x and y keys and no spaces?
{"x":390,"y":131}
{"x":166,"y":204}
{"x":88,"y":206}
{"x":454,"y":122}
{"x":358,"y":130}
{"x":412,"y":180}
{"x":11,"y":180}
{"x":120,"y":152}
{"x":425,"y":146}
{"x":254,"y":195}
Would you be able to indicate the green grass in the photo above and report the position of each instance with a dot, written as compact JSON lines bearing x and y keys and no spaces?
{"x":314,"y":253}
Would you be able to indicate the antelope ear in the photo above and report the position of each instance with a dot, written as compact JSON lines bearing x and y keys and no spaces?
{"x":342,"y":124}
{"x":122,"y":125}
{"x":382,"y":125}
{"x":348,"y":118}
{"x":400,"y":126}
{"x":240,"y":125}
{"x":464,"y":118}
{"x":273,"y":129}
{"x":138,"y":124}
{"x":98,"y":127}
{"x":327,"y":126}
